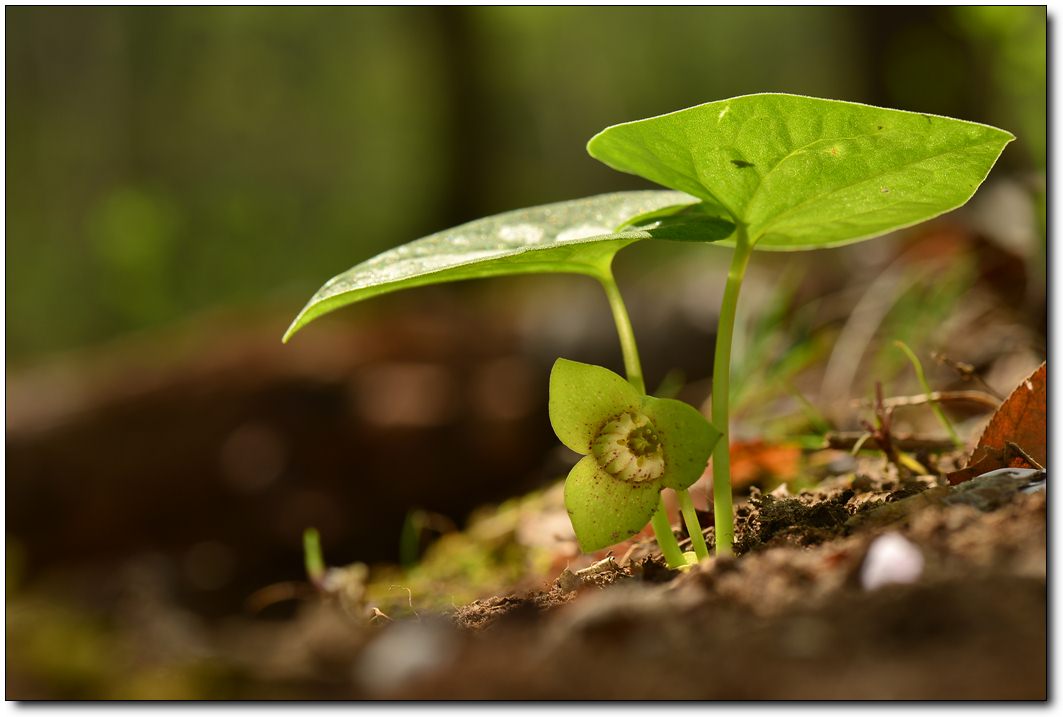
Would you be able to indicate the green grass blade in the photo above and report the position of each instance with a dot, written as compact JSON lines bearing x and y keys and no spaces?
{"x":312,"y":556}
{"x":934,"y":405}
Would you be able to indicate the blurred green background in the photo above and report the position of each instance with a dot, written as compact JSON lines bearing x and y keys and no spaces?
{"x":163,"y":162}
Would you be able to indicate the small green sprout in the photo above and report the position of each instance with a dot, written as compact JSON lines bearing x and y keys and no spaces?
{"x":939,"y":413}
{"x":633,"y":446}
{"x":795,"y":173}
{"x":312,"y":556}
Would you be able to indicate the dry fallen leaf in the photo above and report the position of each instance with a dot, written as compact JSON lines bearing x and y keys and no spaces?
{"x":755,"y":460}
{"x":1020,"y":420}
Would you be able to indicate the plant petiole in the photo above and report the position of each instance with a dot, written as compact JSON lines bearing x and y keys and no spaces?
{"x":721,"y":372}
{"x":662,"y":530}
{"x":626,"y":334}
{"x":690,"y":518}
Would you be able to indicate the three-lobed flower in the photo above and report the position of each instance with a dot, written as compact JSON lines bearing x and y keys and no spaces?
{"x":633,"y":446}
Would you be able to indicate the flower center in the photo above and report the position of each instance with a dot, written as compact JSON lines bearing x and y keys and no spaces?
{"x":628,"y":448}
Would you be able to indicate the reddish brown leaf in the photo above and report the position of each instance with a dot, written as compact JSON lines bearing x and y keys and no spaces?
{"x":1021,"y":420}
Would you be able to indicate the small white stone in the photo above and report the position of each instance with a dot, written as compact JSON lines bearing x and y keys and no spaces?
{"x":892,"y":559}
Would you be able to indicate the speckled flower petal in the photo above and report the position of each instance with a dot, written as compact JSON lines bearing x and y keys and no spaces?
{"x":604,"y":510}
{"x":582,"y":398}
{"x":687,"y":437}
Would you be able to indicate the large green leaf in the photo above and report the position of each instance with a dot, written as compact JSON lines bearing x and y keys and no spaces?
{"x":806,"y":173}
{"x":577,"y":236}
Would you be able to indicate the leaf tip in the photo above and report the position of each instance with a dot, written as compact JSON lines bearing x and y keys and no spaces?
{"x":561,"y":363}
{"x":292,"y":329}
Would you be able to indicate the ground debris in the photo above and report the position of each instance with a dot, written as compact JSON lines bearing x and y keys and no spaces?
{"x":791,"y":602}
{"x":987,"y":492}
{"x":801,"y":520}
{"x":482,"y":613}
{"x":566,"y":587}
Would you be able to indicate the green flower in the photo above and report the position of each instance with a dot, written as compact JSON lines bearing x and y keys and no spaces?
{"x":633,"y":445}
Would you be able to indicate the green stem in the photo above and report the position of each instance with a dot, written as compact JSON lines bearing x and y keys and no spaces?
{"x":690,"y":518}
{"x":312,"y":557}
{"x":632,"y":365}
{"x":721,"y":388}
{"x":662,"y":529}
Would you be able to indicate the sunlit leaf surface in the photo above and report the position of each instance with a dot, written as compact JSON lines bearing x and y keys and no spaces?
{"x":806,"y":173}
{"x":578,"y":237}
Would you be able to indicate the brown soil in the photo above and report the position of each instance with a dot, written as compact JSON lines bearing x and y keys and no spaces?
{"x":786,"y":619}
{"x":972,"y":627}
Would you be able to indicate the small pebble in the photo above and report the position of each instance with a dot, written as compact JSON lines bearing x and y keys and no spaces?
{"x":844,"y":463}
{"x":892,"y":559}
{"x":567,"y":581}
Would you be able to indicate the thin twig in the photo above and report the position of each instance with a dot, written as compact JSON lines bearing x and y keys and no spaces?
{"x":376,"y":614}
{"x":846,"y":440}
{"x":966,"y":371}
{"x":606,"y":564}
{"x":881,"y":432}
{"x":968,"y":396}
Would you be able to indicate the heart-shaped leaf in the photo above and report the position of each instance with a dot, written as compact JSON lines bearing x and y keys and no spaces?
{"x":605,"y":511}
{"x":577,"y":236}
{"x":807,"y":173}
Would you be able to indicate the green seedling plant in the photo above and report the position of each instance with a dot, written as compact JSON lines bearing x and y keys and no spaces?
{"x":771,"y":172}
{"x":796,"y":173}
